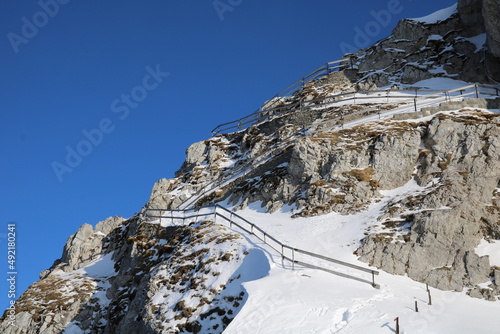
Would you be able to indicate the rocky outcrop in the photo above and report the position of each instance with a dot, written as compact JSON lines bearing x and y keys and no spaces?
{"x":453,"y":48}
{"x":182,"y":279}
{"x":85,"y":245}
{"x":449,"y":221}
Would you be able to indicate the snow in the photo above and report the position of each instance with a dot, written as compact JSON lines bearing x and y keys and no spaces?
{"x":303,"y":300}
{"x":435,"y":38}
{"x":440,"y":15}
{"x":410,"y":187}
{"x":492,"y":249}
{"x":438,"y":69}
{"x":306,"y":301}
{"x":103,"y":266}
{"x":440,"y":84}
{"x":73,"y":328}
{"x":311,"y":301}
{"x":479,"y":41}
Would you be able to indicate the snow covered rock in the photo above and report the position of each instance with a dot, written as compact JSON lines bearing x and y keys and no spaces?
{"x":448,"y":222}
{"x":153,"y":279}
{"x":86,"y":244}
{"x":449,"y":43}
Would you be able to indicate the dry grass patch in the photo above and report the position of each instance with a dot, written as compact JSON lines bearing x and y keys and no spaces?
{"x":362,"y":175}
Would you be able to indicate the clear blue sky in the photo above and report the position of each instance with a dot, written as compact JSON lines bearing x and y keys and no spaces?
{"x":78,"y":66}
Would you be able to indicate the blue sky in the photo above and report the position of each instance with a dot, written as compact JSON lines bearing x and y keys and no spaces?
{"x":129,"y":85}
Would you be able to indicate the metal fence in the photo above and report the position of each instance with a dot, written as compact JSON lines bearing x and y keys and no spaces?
{"x":296,"y":256}
{"x":257,"y":116}
{"x":419,"y":97}
{"x":272,"y":109}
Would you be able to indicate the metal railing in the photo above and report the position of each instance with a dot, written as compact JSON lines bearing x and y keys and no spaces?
{"x":271,"y":110}
{"x":295,"y":256}
{"x":257,"y":116}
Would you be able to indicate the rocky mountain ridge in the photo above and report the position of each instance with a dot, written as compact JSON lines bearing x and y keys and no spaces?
{"x":136,"y":276}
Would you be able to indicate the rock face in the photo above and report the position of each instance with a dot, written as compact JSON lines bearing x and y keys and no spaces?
{"x":453,"y":48}
{"x":150,"y":273}
{"x":471,"y":16}
{"x":491,"y":17}
{"x":86,"y":244}
{"x":448,"y":221}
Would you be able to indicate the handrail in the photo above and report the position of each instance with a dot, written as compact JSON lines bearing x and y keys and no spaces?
{"x":265,"y":238}
{"x":255,"y":116}
{"x":321,"y":71}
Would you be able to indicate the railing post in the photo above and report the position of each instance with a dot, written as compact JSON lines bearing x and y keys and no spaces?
{"x":293,"y":259}
{"x":160,"y":217}
{"x":373,"y":278}
{"x":477,"y":91}
{"x":282,"y":252}
{"x":265,"y":238}
{"x":415,"y":104}
{"x":172,"y":215}
{"x":251,"y":229}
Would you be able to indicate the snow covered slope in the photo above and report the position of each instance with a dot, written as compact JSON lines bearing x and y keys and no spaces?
{"x":311,"y":301}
